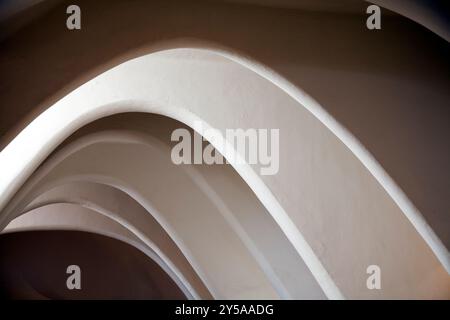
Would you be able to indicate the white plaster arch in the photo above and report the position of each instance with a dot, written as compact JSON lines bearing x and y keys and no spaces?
{"x":189,"y":114}
{"x":109,"y":201}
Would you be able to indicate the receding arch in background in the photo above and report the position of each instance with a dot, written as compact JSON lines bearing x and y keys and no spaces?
{"x":247,"y":218}
{"x":124,"y":211}
{"x":78,"y":217}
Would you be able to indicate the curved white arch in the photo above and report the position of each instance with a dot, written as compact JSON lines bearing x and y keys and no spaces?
{"x":85,"y":114}
{"x":81,"y":218}
{"x":107,"y":201}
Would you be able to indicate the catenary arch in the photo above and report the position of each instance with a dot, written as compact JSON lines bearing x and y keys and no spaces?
{"x":190,"y":114}
{"x":246,"y":219}
{"x":111,"y":202}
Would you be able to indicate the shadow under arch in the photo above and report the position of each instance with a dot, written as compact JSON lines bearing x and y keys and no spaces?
{"x":41,"y":274}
